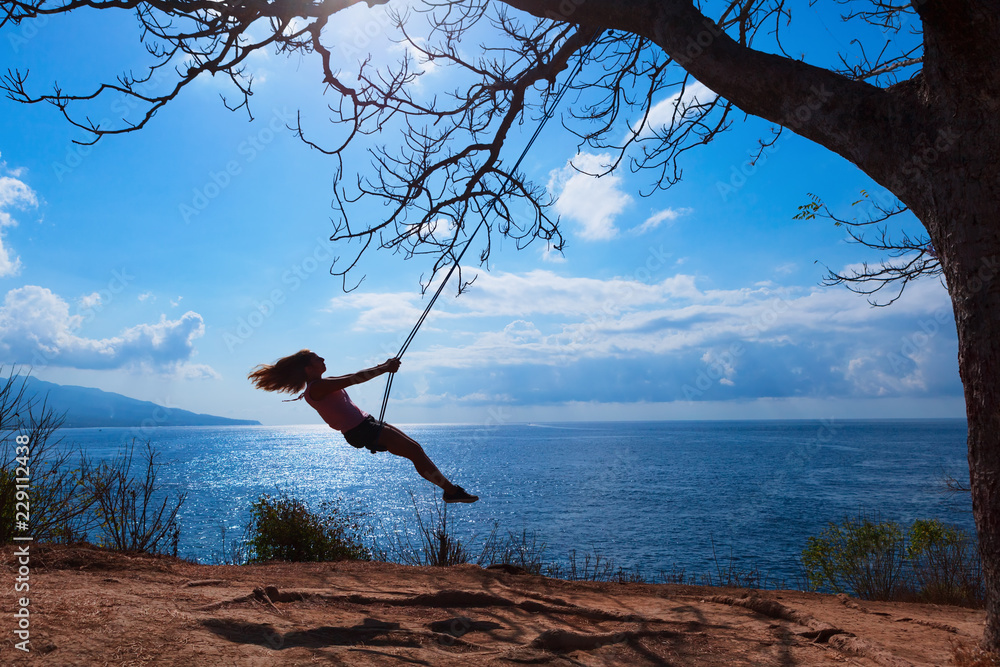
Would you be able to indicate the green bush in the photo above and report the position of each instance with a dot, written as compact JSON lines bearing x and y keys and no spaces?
{"x":945,"y":564}
{"x":864,"y":556}
{"x":874,"y":560}
{"x":283,"y":528}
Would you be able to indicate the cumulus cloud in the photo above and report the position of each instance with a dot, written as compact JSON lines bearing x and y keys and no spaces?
{"x":539,"y":292}
{"x":595,"y":203}
{"x":14,"y":195}
{"x":37,"y":328}
{"x":580,"y":338}
{"x":387,"y":311}
{"x":591,"y":202}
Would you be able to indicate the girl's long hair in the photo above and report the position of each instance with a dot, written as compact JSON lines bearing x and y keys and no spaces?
{"x":287,"y":374}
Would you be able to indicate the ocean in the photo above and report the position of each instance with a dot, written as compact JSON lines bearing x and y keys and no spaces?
{"x":680,"y":496}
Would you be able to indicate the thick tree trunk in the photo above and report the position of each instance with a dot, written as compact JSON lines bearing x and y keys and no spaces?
{"x":979,"y":364}
{"x":957,"y":198}
{"x":933,"y":141}
{"x":970,"y":254}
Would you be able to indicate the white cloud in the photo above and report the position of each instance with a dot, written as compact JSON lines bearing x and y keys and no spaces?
{"x":392,"y":311}
{"x":787,"y":340}
{"x":14,"y":194}
{"x":37,"y":328}
{"x":657,"y":219}
{"x":8,"y":266}
{"x":594,"y":203}
{"x":189,"y":371}
{"x":90,"y":300}
{"x":675,"y":109}
{"x":420,"y":64}
{"x":553,"y":256}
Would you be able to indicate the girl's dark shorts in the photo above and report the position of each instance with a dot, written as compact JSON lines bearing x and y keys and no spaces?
{"x":365,"y":435}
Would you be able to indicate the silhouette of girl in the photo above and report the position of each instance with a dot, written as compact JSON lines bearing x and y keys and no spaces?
{"x":305,"y":369}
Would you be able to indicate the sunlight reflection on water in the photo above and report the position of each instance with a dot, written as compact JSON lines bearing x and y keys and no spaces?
{"x":652,"y":495}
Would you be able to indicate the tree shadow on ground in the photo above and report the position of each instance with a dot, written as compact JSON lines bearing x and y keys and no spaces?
{"x":371,"y":632}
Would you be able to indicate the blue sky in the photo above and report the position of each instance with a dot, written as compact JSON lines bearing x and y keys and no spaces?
{"x":165,"y":264}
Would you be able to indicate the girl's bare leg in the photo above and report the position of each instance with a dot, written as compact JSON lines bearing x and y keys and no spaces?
{"x":400,"y":444}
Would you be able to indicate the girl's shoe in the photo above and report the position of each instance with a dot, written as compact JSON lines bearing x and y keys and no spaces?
{"x":459,"y":496}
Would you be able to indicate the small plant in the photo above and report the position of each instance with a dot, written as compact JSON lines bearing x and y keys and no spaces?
{"x":128,"y":515}
{"x":438,"y":545}
{"x":234,"y":552}
{"x":732,"y":574}
{"x":633,"y":576}
{"x":589,"y":567}
{"x":283,"y":528}
{"x":864,"y":556}
{"x":519,"y":550}
{"x":59,"y":505}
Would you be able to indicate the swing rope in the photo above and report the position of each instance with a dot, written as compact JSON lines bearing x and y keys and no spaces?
{"x":541,"y":125}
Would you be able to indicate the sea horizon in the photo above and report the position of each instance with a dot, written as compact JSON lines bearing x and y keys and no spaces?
{"x":540,"y":422}
{"x":650,"y":496}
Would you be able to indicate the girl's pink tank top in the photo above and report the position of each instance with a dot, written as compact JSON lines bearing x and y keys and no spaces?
{"x":338,"y":410}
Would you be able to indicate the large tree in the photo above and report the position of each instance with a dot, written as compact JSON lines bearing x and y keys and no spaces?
{"x":915,"y":107}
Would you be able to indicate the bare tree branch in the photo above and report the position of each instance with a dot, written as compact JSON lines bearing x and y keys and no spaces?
{"x":637,"y":101}
{"x":909,"y":258}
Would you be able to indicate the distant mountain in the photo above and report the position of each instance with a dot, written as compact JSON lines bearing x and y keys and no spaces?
{"x":86,"y":407}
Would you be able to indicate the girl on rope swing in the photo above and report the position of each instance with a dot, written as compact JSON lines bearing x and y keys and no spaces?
{"x":305,"y":369}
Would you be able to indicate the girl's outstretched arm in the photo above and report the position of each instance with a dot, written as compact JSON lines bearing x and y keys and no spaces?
{"x":326,"y":386}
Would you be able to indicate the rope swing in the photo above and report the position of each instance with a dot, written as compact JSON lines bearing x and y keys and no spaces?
{"x":541,"y":125}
